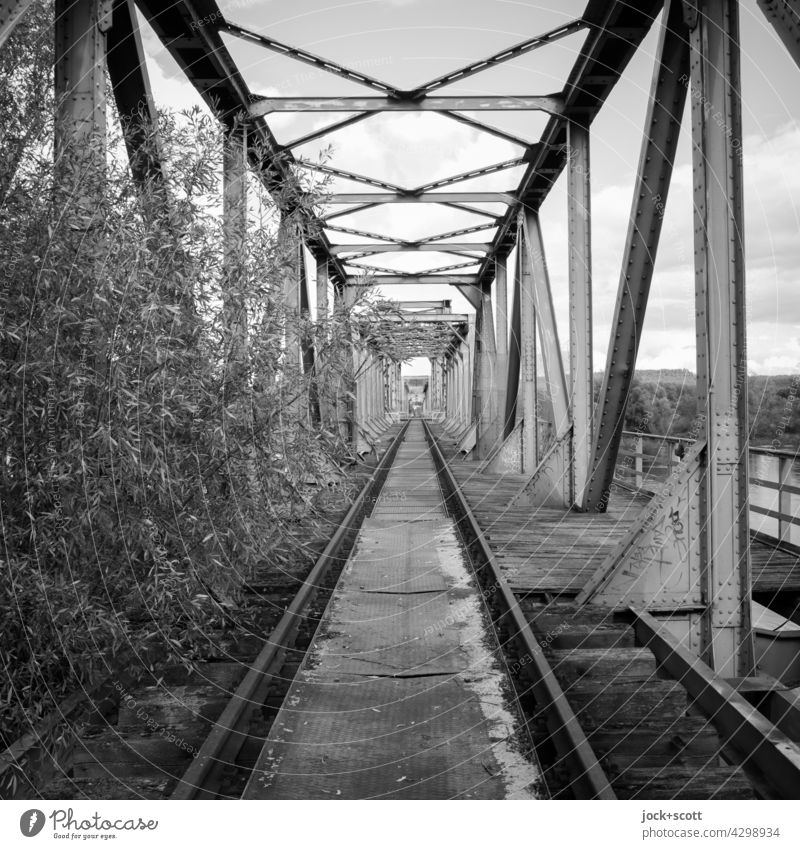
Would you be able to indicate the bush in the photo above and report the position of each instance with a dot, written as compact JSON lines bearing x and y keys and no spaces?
{"x":145,"y":474}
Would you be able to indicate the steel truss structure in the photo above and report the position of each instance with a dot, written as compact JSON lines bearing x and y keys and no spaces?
{"x":688,"y":554}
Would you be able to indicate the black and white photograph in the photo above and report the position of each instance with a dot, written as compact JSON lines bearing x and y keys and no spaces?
{"x":400,"y":403}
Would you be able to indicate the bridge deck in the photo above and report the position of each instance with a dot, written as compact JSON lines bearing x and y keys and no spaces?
{"x":554,"y":550}
{"x":400,"y":695}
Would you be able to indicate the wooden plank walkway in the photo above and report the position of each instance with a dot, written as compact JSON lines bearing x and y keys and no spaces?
{"x":554,"y":550}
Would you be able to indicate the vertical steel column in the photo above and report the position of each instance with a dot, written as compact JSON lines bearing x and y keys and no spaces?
{"x":661,"y":131}
{"x":234,"y":235}
{"x":486,"y":365}
{"x":527,"y":379}
{"x":548,"y":330}
{"x":322,"y":289}
{"x":500,"y":376}
{"x":580,"y":304}
{"x":443,"y":385}
{"x":289,"y":247}
{"x":514,"y":351}
{"x":360,"y":405}
{"x":127,"y":70}
{"x":80,"y":89}
{"x":721,"y":349}
{"x":469,"y":369}
{"x":458,"y":391}
{"x":321,"y":375}
{"x":452,"y":392}
{"x":398,"y":387}
{"x":369,"y":390}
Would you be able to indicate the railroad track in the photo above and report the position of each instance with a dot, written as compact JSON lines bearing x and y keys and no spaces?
{"x":131,"y":738}
{"x":620,"y":709}
{"x":603,"y":719}
{"x":225,"y":760}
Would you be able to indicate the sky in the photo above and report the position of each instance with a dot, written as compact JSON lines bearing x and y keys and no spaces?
{"x":406,"y":42}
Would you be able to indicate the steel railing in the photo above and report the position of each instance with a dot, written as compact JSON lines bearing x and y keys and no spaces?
{"x":643,"y":469}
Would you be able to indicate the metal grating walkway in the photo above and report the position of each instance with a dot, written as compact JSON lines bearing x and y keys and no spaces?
{"x":401,"y":695}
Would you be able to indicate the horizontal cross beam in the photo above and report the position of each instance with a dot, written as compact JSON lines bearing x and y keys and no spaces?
{"x":423,"y":279}
{"x":423,"y":305}
{"x":428,"y":318}
{"x":552,"y":104}
{"x":378,"y":269}
{"x":404,"y":247}
{"x":432,"y":197}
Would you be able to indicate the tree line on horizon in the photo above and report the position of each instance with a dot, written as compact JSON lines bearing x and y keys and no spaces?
{"x":665,"y":402}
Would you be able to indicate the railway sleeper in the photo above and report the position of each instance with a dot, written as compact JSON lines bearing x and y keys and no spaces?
{"x":639,"y":723}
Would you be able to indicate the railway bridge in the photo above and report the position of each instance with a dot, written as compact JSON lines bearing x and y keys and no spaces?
{"x":623,"y":581}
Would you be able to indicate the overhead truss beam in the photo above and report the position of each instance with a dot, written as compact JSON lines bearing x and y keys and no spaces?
{"x":661,"y":130}
{"x":409,"y":197}
{"x":502,"y":56}
{"x":308,"y":58}
{"x":533,"y":103}
{"x":400,"y":247}
{"x":415,"y":279}
{"x":11,"y":12}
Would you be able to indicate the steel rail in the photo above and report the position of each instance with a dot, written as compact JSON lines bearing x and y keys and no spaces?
{"x":588,"y":780}
{"x":229,"y":733}
{"x":754,"y":738}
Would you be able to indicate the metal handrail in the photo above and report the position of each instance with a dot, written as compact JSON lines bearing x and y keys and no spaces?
{"x":784,"y":516}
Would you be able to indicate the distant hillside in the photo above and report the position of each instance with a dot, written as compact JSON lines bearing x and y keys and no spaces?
{"x":667,"y":375}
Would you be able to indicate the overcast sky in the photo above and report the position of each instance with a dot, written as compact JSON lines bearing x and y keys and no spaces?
{"x":406,"y":42}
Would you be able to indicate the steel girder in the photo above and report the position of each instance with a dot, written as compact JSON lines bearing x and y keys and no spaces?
{"x":190,"y":32}
{"x":784,"y":15}
{"x":533,"y":256}
{"x":130,"y":82}
{"x":617,"y":30}
{"x":399,"y":247}
{"x":540,"y":103}
{"x":409,"y":197}
{"x":80,"y":48}
{"x":688,"y":552}
{"x":487,"y":384}
{"x":11,"y":13}
{"x":234,"y":241}
{"x":424,"y":278}
{"x":721,"y":337}
{"x":514,"y":357}
{"x":580,"y":304}
{"x":661,"y":130}
{"x":528,"y":372}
